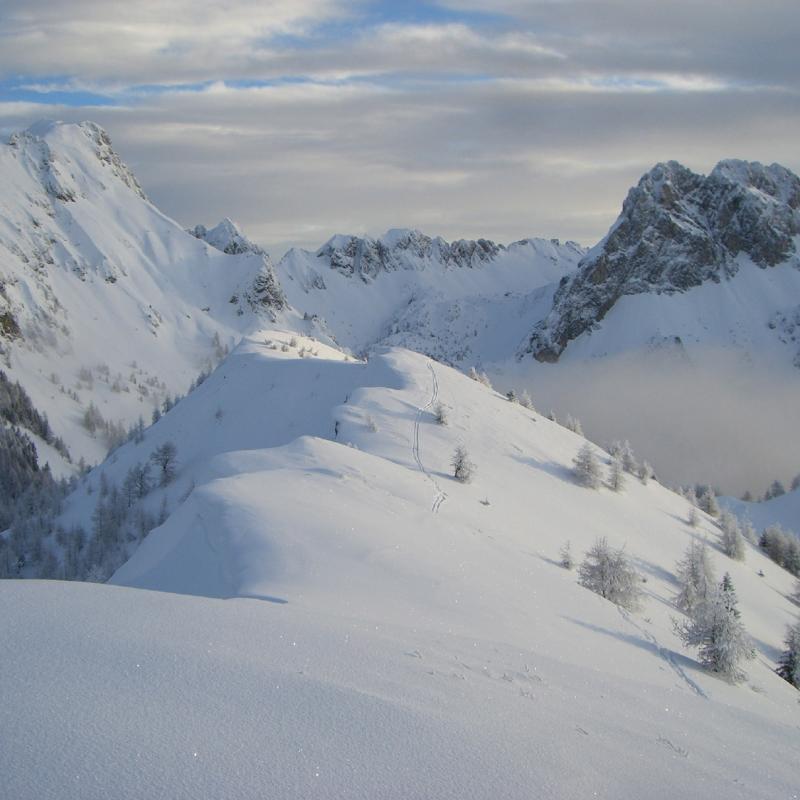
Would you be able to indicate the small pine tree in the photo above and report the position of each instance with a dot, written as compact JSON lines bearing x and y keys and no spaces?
{"x":716,"y":628}
{"x":628,"y":459}
{"x":573,"y":424}
{"x":525,"y":400}
{"x":694,"y":518}
{"x":645,"y":472}
{"x":567,"y":559}
{"x":776,"y":489}
{"x":511,"y":396}
{"x":708,"y":503}
{"x":609,"y":573}
{"x":440,"y":413}
{"x":165,"y":457}
{"x":696,"y":578}
{"x":732,"y":539}
{"x":789,"y":664}
{"x":616,"y":474}
{"x":587,"y":467}
{"x":463,"y":468}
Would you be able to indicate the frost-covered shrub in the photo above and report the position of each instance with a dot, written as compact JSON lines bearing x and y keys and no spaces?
{"x":608,"y":572}
{"x":463,"y":468}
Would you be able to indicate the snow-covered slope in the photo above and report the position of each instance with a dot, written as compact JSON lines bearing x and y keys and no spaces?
{"x":783,"y":511}
{"x":102,"y":297}
{"x":465,"y":300}
{"x":388,"y":630}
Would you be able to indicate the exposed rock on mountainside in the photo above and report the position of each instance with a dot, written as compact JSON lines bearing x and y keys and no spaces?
{"x":676,"y":231}
{"x":227,"y":237}
{"x":407,"y":249}
{"x":265,"y":292}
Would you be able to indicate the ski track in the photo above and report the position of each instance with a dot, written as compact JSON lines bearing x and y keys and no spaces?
{"x":441,"y":496}
{"x":665,"y":654}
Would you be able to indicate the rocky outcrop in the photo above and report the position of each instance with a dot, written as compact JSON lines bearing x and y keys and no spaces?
{"x":677,"y":230}
{"x":265,"y":293}
{"x":403,"y":249}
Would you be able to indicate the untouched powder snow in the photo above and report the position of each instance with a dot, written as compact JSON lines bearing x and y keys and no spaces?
{"x":327,"y":613}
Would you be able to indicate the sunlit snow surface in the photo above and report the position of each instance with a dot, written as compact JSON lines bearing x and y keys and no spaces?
{"x":320,"y":620}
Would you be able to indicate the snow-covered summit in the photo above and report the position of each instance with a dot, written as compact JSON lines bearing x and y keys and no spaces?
{"x":64,"y":153}
{"x":103,"y":298}
{"x":677,"y":230}
{"x":227,"y":236}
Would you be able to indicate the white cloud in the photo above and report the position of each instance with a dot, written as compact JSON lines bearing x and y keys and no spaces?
{"x":533,"y":125}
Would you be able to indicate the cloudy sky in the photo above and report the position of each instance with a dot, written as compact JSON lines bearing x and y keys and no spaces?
{"x":505,"y":119}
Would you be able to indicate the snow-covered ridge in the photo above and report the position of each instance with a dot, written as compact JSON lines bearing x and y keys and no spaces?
{"x":401,"y":248}
{"x":677,"y":230}
{"x":452,"y":300}
{"x":318,"y":569}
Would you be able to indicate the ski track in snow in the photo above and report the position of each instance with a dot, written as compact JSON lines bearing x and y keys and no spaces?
{"x":441,"y":496}
{"x":665,"y":654}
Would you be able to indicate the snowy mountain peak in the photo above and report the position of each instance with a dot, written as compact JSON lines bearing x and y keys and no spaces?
{"x":677,"y":230}
{"x":65,"y":153}
{"x":227,"y":237}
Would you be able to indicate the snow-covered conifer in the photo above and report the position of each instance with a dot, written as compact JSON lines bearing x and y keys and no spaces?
{"x":789,"y":664}
{"x":609,"y":573}
{"x":693,"y":517}
{"x":165,"y":458}
{"x":573,"y":424}
{"x":587,"y":467}
{"x":732,"y":539}
{"x":525,"y":400}
{"x":440,"y":413}
{"x":696,"y":577}
{"x":511,"y":396}
{"x":776,"y":489}
{"x":708,"y":503}
{"x":463,"y":468}
{"x":629,"y":463}
{"x":645,"y":472}
{"x":716,"y":628}
{"x":616,"y":474}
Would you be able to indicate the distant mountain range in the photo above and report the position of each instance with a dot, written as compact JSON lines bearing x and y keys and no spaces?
{"x":104,"y":299}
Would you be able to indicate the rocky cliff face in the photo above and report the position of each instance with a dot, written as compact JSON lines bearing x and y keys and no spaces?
{"x":403,"y":249}
{"x":676,"y":231}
